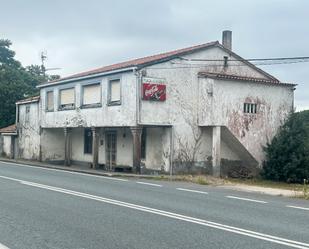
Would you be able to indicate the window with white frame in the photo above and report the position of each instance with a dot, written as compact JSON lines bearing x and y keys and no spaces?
{"x":91,"y":95}
{"x":114,"y":92}
{"x":67,"y":99}
{"x":250,"y":108}
{"x":50,"y":101}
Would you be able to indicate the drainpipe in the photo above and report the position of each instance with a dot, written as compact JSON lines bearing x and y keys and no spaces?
{"x":171,"y":150}
{"x":138,"y":94}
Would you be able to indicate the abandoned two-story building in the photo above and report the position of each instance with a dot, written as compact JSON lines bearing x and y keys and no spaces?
{"x":202,"y":108}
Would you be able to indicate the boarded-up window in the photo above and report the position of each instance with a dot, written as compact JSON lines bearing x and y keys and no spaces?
{"x":114,"y":91}
{"x":50,"y":101}
{"x":67,"y":98}
{"x":91,"y":94}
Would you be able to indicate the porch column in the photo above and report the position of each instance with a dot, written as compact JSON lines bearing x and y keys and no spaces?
{"x":216,"y":151}
{"x":137,"y":134}
{"x":67,"y":146}
{"x":95,"y":150}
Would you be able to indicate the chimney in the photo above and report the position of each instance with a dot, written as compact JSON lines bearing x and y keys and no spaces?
{"x":227,"y":39}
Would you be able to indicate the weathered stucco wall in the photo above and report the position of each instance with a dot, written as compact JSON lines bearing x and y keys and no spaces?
{"x":28,"y":127}
{"x":6,"y":146}
{"x":222,"y":103}
{"x":116,"y":115}
{"x":52,"y":145}
{"x":180,"y":109}
{"x":189,"y":108}
{"x":186,"y":106}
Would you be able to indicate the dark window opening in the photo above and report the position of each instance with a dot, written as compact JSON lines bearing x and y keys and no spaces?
{"x":143,"y":143}
{"x":88,"y":141}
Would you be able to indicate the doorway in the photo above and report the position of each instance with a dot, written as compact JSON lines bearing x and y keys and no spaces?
{"x":111,"y":149}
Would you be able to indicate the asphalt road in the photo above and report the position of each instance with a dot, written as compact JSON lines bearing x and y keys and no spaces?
{"x":45,"y":208}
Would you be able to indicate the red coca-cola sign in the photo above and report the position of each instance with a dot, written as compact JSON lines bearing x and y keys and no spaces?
{"x":154,"y":89}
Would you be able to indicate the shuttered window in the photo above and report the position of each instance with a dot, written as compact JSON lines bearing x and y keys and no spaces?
{"x":50,"y":101}
{"x":67,"y":98}
{"x":91,"y":94}
{"x":114,"y":94}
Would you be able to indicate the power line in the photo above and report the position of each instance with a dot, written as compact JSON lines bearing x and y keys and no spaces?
{"x":301,"y":58}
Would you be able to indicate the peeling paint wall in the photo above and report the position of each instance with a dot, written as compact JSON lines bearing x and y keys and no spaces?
{"x":192,"y":105}
{"x":28,"y":128}
{"x":7,"y":145}
{"x":225,"y":107}
{"x":189,"y":104}
{"x":52,"y":145}
{"x":116,"y":115}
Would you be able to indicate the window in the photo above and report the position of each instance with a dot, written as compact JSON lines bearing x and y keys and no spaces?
{"x":88,"y":141}
{"x":27,"y":109}
{"x":67,"y":99}
{"x":50,"y":101}
{"x":91,"y":95}
{"x":143,"y":143}
{"x":250,"y":108}
{"x":27,"y":113}
{"x":114,"y":92}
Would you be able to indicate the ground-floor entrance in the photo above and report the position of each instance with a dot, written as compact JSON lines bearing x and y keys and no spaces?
{"x":111,"y":150}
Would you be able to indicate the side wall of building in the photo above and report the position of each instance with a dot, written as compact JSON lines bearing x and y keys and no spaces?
{"x":222,"y":104}
{"x":6,"y":146}
{"x":28,"y":127}
{"x":184,"y":107}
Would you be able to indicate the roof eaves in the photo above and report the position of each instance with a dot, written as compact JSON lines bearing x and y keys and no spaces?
{"x":67,"y":80}
{"x":219,"y":76}
{"x":163,"y":57}
{"x":28,"y":100}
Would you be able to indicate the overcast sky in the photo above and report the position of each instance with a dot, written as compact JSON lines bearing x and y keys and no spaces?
{"x":80,"y":35}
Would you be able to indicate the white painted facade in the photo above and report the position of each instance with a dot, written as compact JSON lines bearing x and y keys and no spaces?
{"x":28,"y":129}
{"x":179,"y":130}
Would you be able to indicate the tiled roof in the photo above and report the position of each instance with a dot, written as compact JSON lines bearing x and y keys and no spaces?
{"x":8,"y":129}
{"x":140,"y":62}
{"x":222,"y":76}
{"x":30,"y":99}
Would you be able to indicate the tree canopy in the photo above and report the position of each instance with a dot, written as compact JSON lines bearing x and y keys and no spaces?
{"x":16,"y":82}
{"x":287,"y":156}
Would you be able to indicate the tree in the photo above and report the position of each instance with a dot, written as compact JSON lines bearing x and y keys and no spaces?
{"x":16,"y":82}
{"x":287,"y":156}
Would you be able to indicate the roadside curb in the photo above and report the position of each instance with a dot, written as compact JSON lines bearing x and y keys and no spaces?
{"x":237,"y":187}
{"x":71,"y":169}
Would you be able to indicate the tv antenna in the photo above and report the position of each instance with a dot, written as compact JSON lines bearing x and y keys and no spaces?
{"x":43,"y":56}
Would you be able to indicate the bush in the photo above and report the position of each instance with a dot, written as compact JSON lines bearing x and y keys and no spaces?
{"x":287,"y":156}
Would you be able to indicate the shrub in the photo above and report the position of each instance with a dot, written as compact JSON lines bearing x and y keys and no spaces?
{"x":287,"y":156}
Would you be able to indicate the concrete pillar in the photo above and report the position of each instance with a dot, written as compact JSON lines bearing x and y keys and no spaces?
{"x":12,"y":148}
{"x":137,"y":134}
{"x":67,"y":146}
{"x":216,"y":151}
{"x":95,"y":149}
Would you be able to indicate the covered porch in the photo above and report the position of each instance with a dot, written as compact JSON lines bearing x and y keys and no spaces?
{"x":138,"y":149}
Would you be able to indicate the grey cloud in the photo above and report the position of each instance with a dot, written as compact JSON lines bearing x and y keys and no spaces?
{"x":80,"y":34}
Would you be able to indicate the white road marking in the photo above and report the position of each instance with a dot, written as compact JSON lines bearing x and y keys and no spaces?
{"x":244,"y":199}
{"x":3,"y":246}
{"x":192,"y":190}
{"x":236,"y":230}
{"x":150,"y":184}
{"x":66,"y":171}
{"x":302,"y":208}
